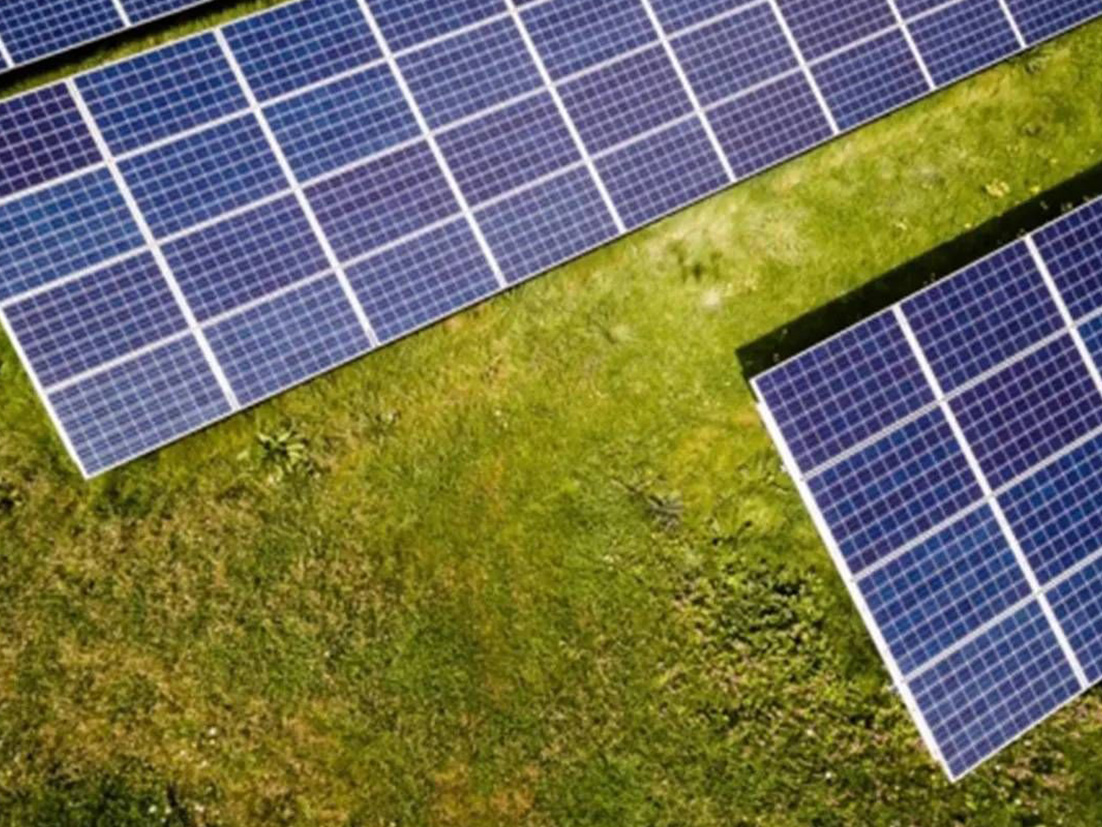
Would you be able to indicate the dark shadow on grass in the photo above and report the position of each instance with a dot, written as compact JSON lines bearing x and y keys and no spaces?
{"x":894,"y":285}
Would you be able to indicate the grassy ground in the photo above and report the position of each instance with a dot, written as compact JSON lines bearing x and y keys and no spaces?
{"x":538,"y":565}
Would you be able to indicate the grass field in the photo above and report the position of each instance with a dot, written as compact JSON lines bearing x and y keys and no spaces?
{"x":538,"y":565}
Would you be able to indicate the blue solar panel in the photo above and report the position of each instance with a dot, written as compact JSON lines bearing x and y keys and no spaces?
{"x":824,"y":26}
{"x":471,"y":72}
{"x":203,"y":176}
{"x":301,"y":43}
{"x":405,"y":23}
{"x":870,"y":79}
{"x":423,"y":279}
{"x":894,"y":490}
{"x":984,"y":315}
{"x":61,"y":230}
{"x":245,"y":257}
{"x":42,"y":137}
{"x":1072,"y":248}
{"x":845,"y":391}
{"x":1041,"y":19}
{"x":1077,"y":604}
{"x":546,"y":224}
{"x":1029,"y":410}
{"x":945,"y":588}
{"x":769,"y":124}
{"x":734,"y":53}
{"x":662,"y":172}
{"x":282,"y":341}
{"x":328,"y":128}
{"x":508,"y":148}
{"x":137,"y":405}
{"x":958,"y":578}
{"x":99,"y":317}
{"x":1056,"y":513}
{"x":382,"y":201}
{"x":515,"y":177}
{"x":630,"y":97}
{"x":959,"y":39}
{"x":161,"y":93}
{"x":572,"y":35}
{"x":989,"y":692}
{"x":139,"y":11}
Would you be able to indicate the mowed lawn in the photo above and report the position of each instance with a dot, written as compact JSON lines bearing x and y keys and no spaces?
{"x":538,"y":565}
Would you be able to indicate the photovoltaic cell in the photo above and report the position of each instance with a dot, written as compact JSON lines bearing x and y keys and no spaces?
{"x":42,"y":136}
{"x":544,"y":174}
{"x":1029,"y":410}
{"x":959,"y":39}
{"x":995,"y":688}
{"x":245,"y":257}
{"x":106,"y":314}
{"x":380,"y":202}
{"x":471,"y":72}
{"x":59,"y":231}
{"x":140,"y":404}
{"x":301,"y":43}
{"x":1056,"y":513}
{"x":161,"y":93}
{"x":1072,"y":248}
{"x":944,"y":588}
{"x":139,"y":11}
{"x":1077,"y":604}
{"x":894,"y":490}
{"x":734,"y":53}
{"x":423,"y":279}
{"x":508,"y":148}
{"x":662,"y":172}
{"x":330,"y":127}
{"x":845,"y":391}
{"x":1040,"y":19}
{"x":768,"y":124}
{"x":572,"y":35}
{"x":996,"y":308}
{"x":297,"y":334}
{"x":203,"y":175}
{"x":870,"y":79}
{"x":632,"y":96}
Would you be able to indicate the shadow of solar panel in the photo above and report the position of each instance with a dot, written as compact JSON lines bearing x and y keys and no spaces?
{"x":423,"y":156}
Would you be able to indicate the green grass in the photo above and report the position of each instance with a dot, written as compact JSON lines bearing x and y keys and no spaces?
{"x":538,"y":565}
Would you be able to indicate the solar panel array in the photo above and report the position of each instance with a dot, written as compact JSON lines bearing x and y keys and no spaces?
{"x":33,"y":29}
{"x":194,"y":229}
{"x":950,"y":452}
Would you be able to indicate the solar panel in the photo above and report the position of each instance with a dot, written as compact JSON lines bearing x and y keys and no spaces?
{"x":225,"y":216}
{"x":949,"y":450}
{"x":33,"y":29}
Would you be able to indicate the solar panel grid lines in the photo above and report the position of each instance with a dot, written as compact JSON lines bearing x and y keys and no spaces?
{"x":809,"y":76}
{"x":549,"y":84}
{"x":901,"y":23}
{"x":538,"y":219}
{"x":1065,"y":313}
{"x":153,"y":247}
{"x":1013,"y":24}
{"x":296,"y":187}
{"x":694,"y":101}
{"x":898,"y":679}
{"x":968,"y":616}
{"x":985,"y":486}
{"x":6,"y":61}
{"x":433,"y":144}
